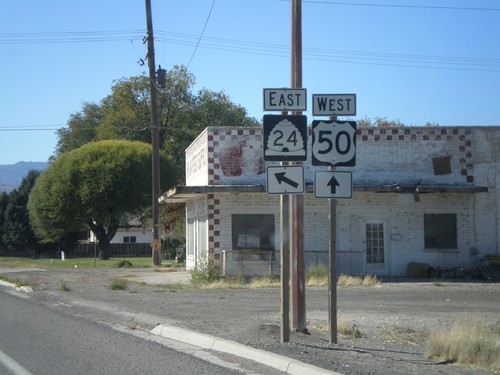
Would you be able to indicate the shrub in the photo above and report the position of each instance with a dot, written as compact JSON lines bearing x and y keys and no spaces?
{"x":316,"y":275}
{"x":346,"y":330}
{"x":206,"y":272}
{"x":118,"y":284}
{"x":122,"y":264}
{"x":343,"y":328}
{"x":63,"y":287}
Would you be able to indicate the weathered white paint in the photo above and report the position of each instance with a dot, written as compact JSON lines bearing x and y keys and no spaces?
{"x":228,"y":156}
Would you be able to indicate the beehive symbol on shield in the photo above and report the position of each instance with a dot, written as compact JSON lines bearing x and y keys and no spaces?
{"x":285,"y":138}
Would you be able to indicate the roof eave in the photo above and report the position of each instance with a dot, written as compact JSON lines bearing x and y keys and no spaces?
{"x":182,"y":194}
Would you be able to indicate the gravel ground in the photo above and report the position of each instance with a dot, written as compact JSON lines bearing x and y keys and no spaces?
{"x":394,"y":318}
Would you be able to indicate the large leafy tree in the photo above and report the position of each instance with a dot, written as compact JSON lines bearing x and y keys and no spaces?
{"x":17,"y":233}
{"x":95,"y":187}
{"x":125,"y":114}
{"x":82,"y":128}
{"x":4,"y":201}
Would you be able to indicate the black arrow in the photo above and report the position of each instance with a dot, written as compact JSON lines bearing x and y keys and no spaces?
{"x":333,"y":183}
{"x":281,"y":178}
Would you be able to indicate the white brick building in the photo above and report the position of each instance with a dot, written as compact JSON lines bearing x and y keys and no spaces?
{"x":451,"y":221}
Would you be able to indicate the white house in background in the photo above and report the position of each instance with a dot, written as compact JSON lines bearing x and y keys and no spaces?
{"x":420,"y":194}
{"x":134,"y":232}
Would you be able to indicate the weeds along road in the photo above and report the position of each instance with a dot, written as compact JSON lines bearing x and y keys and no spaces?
{"x":394,"y":318}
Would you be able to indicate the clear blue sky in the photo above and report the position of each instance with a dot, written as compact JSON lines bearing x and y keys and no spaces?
{"x":415,"y":61}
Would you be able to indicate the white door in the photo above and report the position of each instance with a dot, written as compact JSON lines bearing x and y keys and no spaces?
{"x":375,"y":259}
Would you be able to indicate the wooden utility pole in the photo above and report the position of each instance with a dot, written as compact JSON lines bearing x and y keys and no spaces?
{"x":297,"y":282}
{"x":155,"y":141}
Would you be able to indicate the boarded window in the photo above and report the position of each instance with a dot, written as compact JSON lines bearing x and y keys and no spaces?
{"x":441,"y":165}
{"x":440,"y":231}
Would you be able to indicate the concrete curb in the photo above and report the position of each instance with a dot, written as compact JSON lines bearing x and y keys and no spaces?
{"x":276,"y":361}
{"x":26,"y":289}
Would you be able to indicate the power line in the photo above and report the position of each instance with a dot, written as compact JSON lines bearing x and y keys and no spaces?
{"x":71,"y":37}
{"x":267,"y":49}
{"x":202,"y":32}
{"x":342,"y":56}
{"x":400,"y":6}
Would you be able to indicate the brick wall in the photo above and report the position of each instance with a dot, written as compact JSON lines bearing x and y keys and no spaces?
{"x":384,"y":156}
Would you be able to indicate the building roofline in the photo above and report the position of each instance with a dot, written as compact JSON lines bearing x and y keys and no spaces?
{"x":182,"y":194}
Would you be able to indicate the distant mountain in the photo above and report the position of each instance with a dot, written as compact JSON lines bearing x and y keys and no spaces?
{"x":11,"y":175}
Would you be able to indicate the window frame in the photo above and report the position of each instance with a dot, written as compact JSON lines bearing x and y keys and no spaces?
{"x":260,"y":228}
{"x":129,"y":239}
{"x":436,"y":240}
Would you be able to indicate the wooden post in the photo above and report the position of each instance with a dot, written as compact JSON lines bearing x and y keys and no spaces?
{"x":155,"y":139}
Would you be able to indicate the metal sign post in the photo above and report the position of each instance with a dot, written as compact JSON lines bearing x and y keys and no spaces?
{"x":332,"y":270}
{"x":333,"y":143}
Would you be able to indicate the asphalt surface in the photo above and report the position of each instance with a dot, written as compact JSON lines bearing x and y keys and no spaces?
{"x":43,"y":341}
{"x":394,"y":319}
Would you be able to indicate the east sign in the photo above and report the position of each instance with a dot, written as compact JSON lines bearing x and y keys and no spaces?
{"x":294,"y":100}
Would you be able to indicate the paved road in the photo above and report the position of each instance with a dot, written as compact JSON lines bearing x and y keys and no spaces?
{"x":43,"y":341}
{"x":394,"y":318}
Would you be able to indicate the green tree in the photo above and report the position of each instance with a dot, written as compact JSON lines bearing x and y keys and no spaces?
{"x":4,"y":201}
{"x":379,"y":122}
{"x":18,"y":236}
{"x":126,"y":111}
{"x":125,"y":114}
{"x":94,"y":187}
{"x":82,"y":128}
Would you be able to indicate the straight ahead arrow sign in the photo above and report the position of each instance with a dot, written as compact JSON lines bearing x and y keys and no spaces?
{"x":333,"y":183}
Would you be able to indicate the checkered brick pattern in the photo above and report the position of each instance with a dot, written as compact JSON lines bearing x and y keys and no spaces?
{"x":462,"y":134}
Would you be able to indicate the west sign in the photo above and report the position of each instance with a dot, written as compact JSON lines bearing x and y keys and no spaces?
{"x":334,"y":104}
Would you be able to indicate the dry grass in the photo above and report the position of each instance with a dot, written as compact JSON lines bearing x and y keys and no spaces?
{"x":368,"y":280}
{"x":220,"y":284}
{"x":343,"y":328}
{"x":346,"y":330}
{"x":263,"y":282}
{"x":317,"y":275}
{"x":317,"y":281}
{"x":468,"y":341}
{"x":167,"y":268}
